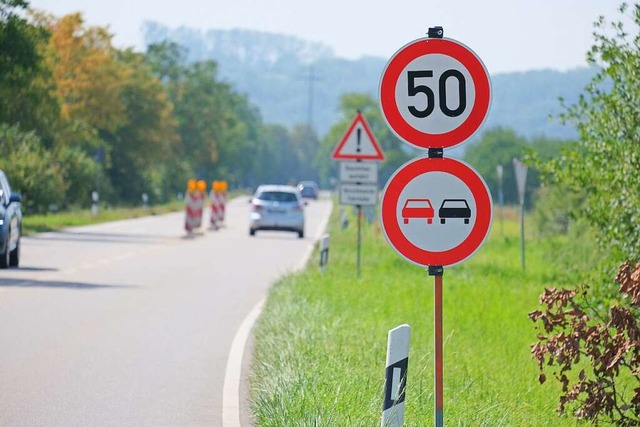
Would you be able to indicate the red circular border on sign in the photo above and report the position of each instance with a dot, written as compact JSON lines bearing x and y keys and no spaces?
{"x":390,"y":77}
{"x":391,"y":225}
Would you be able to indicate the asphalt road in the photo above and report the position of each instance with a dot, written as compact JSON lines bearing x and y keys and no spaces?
{"x":130,"y":323}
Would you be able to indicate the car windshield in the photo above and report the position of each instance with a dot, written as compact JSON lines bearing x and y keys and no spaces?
{"x":418,"y":204}
{"x":455,"y":204}
{"x":277,"y":196}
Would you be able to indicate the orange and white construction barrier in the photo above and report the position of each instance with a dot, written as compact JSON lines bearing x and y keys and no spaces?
{"x":194,"y":204}
{"x":223,"y":198}
{"x":218,"y":197}
{"x":223,"y":194}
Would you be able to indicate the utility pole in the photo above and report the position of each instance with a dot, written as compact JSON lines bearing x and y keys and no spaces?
{"x":312,"y":77}
{"x":312,"y":140}
{"x":310,"y":99}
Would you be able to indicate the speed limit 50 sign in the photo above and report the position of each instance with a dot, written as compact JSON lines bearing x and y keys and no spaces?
{"x":435,"y":93}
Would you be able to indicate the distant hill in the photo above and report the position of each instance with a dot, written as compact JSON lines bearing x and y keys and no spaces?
{"x":292,"y":80}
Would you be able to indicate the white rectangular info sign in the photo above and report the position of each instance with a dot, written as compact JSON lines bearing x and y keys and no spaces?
{"x":362,"y":172}
{"x":359,"y":194}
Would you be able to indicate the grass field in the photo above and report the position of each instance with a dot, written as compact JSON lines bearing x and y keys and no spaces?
{"x":320,"y":344}
{"x":55,"y":221}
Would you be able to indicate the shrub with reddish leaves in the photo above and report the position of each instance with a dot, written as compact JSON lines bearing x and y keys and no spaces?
{"x":596,"y":359}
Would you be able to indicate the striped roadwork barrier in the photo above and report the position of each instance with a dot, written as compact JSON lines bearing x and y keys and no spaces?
{"x":194,"y":205}
{"x":218,"y":196}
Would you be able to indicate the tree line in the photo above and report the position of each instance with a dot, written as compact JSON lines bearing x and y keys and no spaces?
{"x":78,"y":114}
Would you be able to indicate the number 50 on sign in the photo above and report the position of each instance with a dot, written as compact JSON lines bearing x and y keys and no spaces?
{"x":435,"y":93}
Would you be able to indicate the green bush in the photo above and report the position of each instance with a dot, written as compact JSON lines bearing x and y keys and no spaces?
{"x":554,"y":210}
{"x":81,"y":175}
{"x":32,"y":171}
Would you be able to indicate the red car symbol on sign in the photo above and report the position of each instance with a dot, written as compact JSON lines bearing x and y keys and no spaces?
{"x":417,"y":208}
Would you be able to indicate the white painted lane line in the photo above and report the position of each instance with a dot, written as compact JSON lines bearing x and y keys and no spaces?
{"x":233,"y":372}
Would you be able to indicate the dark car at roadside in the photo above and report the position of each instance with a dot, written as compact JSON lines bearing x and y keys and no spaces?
{"x":309,"y":189}
{"x":10,"y":224}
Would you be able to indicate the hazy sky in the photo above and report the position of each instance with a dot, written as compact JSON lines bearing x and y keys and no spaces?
{"x":509,"y":35}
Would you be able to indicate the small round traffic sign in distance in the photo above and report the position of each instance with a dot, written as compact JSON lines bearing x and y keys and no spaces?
{"x":436,"y":212}
{"x":435,"y":93}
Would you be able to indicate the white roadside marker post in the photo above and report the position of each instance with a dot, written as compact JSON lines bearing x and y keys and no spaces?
{"x":324,"y":252}
{"x":95,"y":198}
{"x":396,"y":376}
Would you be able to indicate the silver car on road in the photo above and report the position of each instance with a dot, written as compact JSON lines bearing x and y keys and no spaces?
{"x":277,"y":207}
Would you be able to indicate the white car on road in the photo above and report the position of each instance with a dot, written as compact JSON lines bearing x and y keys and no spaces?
{"x":277,"y":207}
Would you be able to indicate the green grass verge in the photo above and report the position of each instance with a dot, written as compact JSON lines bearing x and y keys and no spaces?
{"x":55,"y":221}
{"x":320,"y":344}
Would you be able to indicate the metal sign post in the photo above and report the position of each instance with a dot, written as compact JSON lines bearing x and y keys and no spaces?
{"x":438,"y":371}
{"x":521,"y":181}
{"x":500,"y":172}
{"x":359,"y":208}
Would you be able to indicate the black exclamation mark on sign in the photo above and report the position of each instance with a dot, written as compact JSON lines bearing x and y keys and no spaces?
{"x":358,"y":132}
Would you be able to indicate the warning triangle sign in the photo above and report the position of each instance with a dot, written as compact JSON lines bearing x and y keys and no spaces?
{"x":358,"y":143}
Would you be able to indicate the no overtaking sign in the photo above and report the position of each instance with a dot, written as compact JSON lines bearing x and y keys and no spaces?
{"x":436,"y":212}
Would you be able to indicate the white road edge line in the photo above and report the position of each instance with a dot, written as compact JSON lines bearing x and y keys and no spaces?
{"x":233,"y":371}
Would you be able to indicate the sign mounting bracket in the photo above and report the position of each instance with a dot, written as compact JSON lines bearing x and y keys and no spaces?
{"x":436,"y":153}
{"x":435,"y":32}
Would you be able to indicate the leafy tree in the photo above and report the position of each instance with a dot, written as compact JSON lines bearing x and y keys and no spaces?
{"x":239,"y":128}
{"x":554,"y":205}
{"x":18,"y":51}
{"x":269,"y":160}
{"x":248,"y":133}
{"x":218,"y":127}
{"x":147,"y":140}
{"x":81,"y":175}
{"x":594,"y":328}
{"x":26,"y":91}
{"x":89,"y":80}
{"x":498,"y":146}
{"x":167,"y":60}
{"x":605,"y":164}
{"x":303,"y":149}
{"x":606,"y":351}
{"x":200,"y":114}
{"x":33,"y":171}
